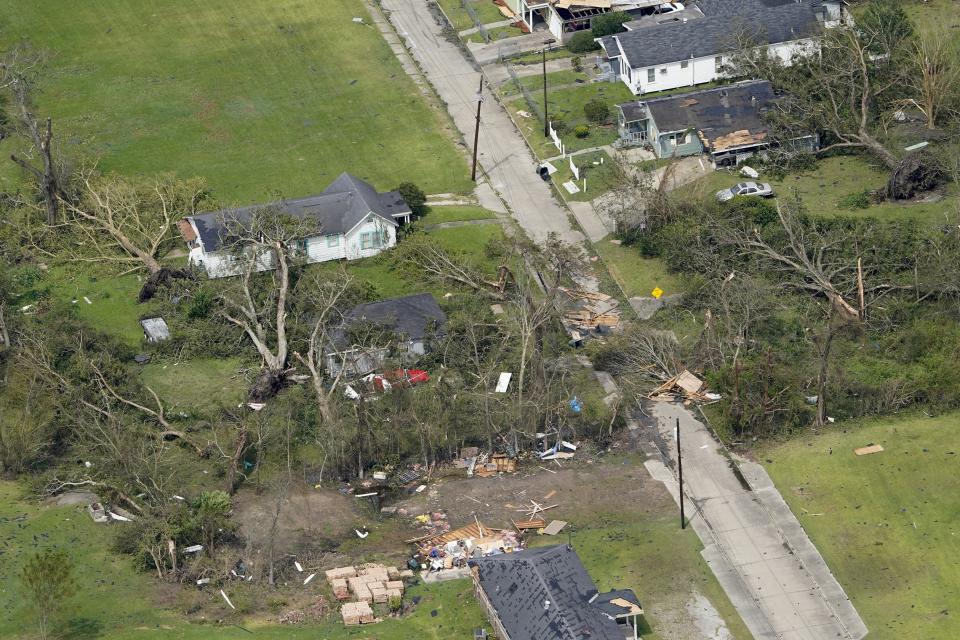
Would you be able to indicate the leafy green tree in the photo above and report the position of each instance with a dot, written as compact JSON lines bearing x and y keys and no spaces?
{"x":211,"y":516}
{"x":609,"y":23}
{"x":415,"y":198}
{"x":47,"y":578}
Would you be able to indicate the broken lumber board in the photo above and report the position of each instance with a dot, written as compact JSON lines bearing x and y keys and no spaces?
{"x":523,"y":525}
{"x":555,"y":527}
{"x":865,"y":451}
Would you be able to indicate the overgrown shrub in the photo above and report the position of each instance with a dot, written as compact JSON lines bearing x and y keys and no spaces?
{"x":577,"y":63}
{"x":582,"y":42}
{"x":415,"y":198}
{"x":596,"y":111}
{"x":581,"y":131}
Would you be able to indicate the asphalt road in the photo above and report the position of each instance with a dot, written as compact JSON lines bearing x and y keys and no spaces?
{"x":509,"y":165}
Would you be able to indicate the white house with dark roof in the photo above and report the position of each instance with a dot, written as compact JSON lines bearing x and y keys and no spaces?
{"x":353,"y":221}
{"x":673,"y":51}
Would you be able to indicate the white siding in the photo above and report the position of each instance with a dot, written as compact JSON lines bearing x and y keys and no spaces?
{"x":219,"y":264}
{"x":698,"y":71}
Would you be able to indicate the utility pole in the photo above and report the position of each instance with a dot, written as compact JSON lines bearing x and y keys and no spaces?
{"x":683,"y":522}
{"x":476,"y":132}
{"x":546,"y":111}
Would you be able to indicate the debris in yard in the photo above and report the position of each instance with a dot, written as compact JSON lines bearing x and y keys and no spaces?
{"x":588,"y":311}
{"x":141,"y":358}
{"x":298,"y":566}
{"x":360,"y":534}
{"x":98,"y":512}
{"x":357,"y":613}
{"x":750,"y":172}
{"x":118,"y":517}
{"x":496,"y":309}
{"x":203,"y":581}
{"x":421,"y":488}
{"x":555,"y":527}
{"x":309,"y":578}
{"x":256,"y":406}
{"x":524,"y":114}
{"x":524,"y":525}
{"x":499,"y":463}
{"x":87,"y":300}
{"x":550,"y":495}
{"x":351,"y":393}
{"x":359,"y":20}
{"x":193,"y":548}
{"x":571,"y":187}
{"x":503,"y":382}
{"x":687,"y":385}
{"x":227,"y":599}
{"x":379,"y":475}
{"x":575,"y":405}
{"x":154,"y":329}
{"x":865,"y":451}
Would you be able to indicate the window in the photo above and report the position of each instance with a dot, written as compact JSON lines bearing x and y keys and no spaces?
{"x":663,"y":71}
{"x":684,"y":64}
{"x":651,"y":75}
{"x":370,"y":240}
{"x":333,"y":241}
{"x":719,"y":61}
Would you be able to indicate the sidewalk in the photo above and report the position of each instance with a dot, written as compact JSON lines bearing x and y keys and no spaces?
{"x":771,"y":571}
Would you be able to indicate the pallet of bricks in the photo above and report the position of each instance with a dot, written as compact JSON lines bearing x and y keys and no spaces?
{"x":369,"y":583}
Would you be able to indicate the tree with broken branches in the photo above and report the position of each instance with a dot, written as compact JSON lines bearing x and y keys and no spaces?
{"x":129,"y":222}
{"x":19,"y":72}
{"x":930,"y":77}
{"x":259,"y":303}
{"x":421,"y":254}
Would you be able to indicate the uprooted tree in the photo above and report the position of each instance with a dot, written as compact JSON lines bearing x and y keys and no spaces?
{"x":258,"y":303}
{"x":128,"y":222}
{"x":844,"y":87}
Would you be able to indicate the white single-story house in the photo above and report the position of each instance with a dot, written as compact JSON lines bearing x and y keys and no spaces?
{"x":689,"y":48}
{"x":412,"y":322}
{"x":353,"y":221}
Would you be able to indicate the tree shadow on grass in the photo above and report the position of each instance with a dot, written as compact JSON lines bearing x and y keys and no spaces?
{"x":82,"y":629}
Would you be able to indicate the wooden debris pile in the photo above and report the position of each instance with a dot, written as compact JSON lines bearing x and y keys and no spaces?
{"x":586,"y":312}
{"x":369,"y":583}
{"x":684,"y":385}
{"x":499,"y":463}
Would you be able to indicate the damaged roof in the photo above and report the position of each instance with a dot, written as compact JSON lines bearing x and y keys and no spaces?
{"x":716,"y":33}
{"x":414,"y":316}
{"x":338,"y":209}
{"x":723,"y":117}
{"x":544,"y":594}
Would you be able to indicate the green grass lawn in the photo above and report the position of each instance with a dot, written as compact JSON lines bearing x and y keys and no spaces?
{"x":833,"y":179}
{"x":456,"y":213}
{"x":596,"y":167}
{"x":566,"y":103}
{"x":258,"y":97}
{"x":198,"y":385}
{"x":636,"y":275}
{"x":114,"y":602}
{"x":486,"y":11}
{"x":886,"y":523}
{"x":470,"y":241}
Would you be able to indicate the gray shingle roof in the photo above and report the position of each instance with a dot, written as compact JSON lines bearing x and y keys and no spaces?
{"x":715,"y":112}
{"x":544,"y":594}
{"x":715,"y":34}
{"x":339,"y":208}
{"x":413,"y":316}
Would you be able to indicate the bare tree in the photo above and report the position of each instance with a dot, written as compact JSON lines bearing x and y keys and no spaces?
{"x":441,"y":266}
{"x":129,"y":222}
{"x":931,"y":77}
{"x":18,"y":73}
{"x":266,"y":239}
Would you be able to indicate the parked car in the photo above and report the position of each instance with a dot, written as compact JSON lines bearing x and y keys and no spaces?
{"x":761,"y":189}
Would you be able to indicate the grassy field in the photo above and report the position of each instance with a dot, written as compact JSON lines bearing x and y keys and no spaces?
{"x":886,"y":523}
{"x":201,"y":384}
{"x":114,"y":602}
{"x":636,"y":275}
{"x":258,"y":97}
{"x":456,"y":213}
{"x":823,"y":189}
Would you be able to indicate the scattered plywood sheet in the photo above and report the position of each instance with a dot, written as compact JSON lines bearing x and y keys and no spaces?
{"x":523,"y":525}
{"x":550,"y":168}
{"x":626,"y":604}
{"x":865,"y":451}
{"x":571,"y":187}
{"x":555,"y":527}
{"x":503,"y":382}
